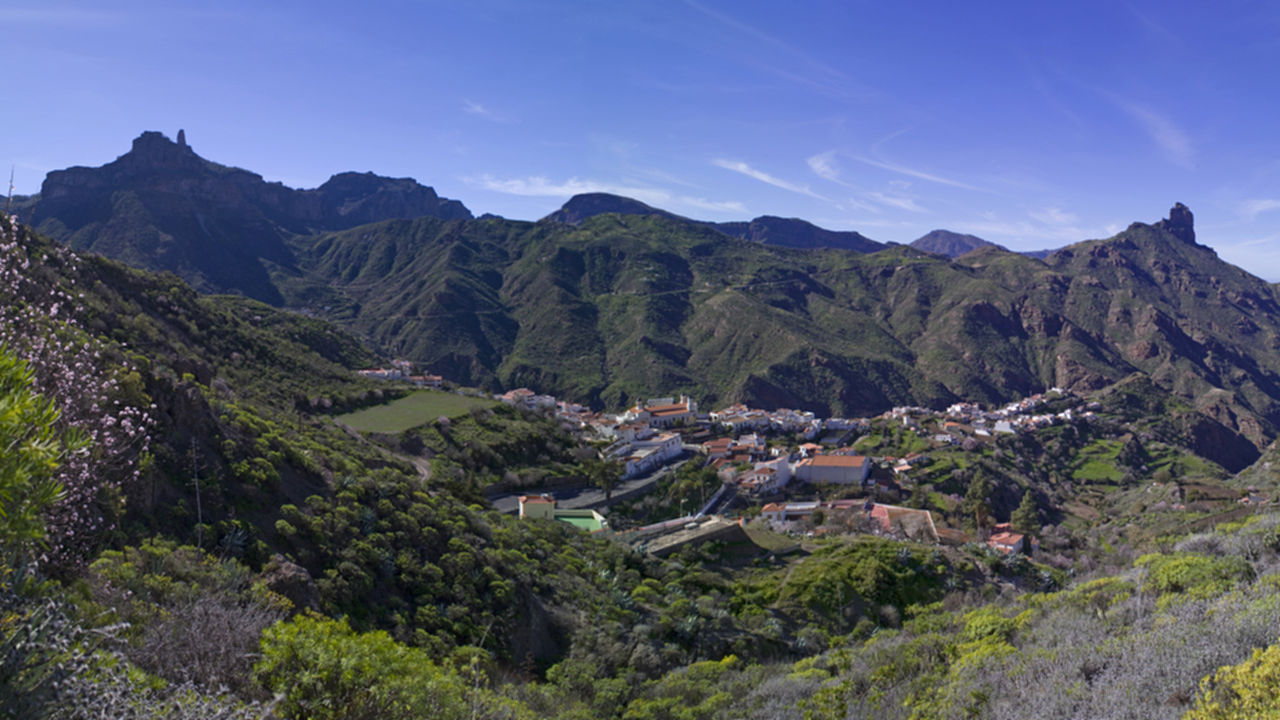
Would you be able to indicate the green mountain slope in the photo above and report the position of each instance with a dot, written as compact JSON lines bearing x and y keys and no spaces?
{"x":610,"y":300}
{"x":621,"y":306}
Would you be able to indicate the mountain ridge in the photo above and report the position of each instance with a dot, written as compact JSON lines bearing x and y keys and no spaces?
{"x":765,"y":229}
{"x":162,"y":207}
{"x":616,"y":306}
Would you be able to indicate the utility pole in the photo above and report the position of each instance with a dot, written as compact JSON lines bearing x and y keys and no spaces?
{"x":9,"y":202}
{"x":195,"y":475}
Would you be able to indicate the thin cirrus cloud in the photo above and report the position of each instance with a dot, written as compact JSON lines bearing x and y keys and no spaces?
{"x":1172,"y":141}
{"x":727,"y":206}
{"x":918,"y":174}
{"x":475,"y":108}
{"x":1054,"y":216}
{"x":894,"y":201}
{"x":824,"y":166}
{"x":1251,"y":209}
{"x":764,"y":177}
{"x":540,"y":186}
{"x":472,"y":107}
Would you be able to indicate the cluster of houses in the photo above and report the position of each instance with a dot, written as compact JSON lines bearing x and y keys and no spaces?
{"x":653,"y":433}
{"x":1019,"y":416}
{"x":403,"y":370}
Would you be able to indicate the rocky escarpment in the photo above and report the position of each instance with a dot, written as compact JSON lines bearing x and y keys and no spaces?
{"x":161,"y":206}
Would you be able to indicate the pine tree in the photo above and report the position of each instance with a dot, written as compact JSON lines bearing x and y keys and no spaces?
{"x":1026,"y":519}
{"x":976,"y":503}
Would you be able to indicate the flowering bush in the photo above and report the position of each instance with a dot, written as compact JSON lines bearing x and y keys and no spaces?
{"x":85,"y":378}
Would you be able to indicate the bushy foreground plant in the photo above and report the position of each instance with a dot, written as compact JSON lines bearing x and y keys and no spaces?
{"x":325,"y":670}
{"x":97,"y":396}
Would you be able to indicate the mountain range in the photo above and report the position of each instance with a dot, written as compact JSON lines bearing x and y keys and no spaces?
{"x":608,"y":300}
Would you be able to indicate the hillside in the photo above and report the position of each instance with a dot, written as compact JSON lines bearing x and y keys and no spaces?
{"x":256,"y":506}
{"x":622,"y":306}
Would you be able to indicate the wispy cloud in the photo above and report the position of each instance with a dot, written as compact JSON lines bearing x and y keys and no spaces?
{"x":1051,"y":226}
{"x":1054,"y":216}
{"x":1159,"y":32}
{"x":902,"y":203}
{"x":472,"y":107}
{"x":815,"y":74}
{"x":1251,"y":209}
{"x":764,"y":177}
{"x":823,"y":166}
{"x":918,"y":174}
{"x":863,"y":223}
{"x":727,"y":206}
{"x":540,"y":186}
{"x":475,"y":108}
{"x":1172,"y":141}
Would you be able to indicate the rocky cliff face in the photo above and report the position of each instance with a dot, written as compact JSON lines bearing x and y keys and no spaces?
{"x":161,"y":206}
{"x":1180,"y":224}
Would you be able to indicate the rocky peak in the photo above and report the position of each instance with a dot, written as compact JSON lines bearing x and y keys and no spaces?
{"x":951,"y":244}
{"x":153,"y":148}
{"x":1180,"y":224}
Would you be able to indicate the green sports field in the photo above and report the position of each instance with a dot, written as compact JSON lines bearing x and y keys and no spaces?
{"x":412,"y":410}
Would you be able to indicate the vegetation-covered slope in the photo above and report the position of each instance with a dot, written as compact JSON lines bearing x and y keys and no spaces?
{"x":624,"y":306}
{"x":610,"y":300}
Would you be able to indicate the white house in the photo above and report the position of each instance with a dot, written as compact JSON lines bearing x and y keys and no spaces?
{"x":838,"y":469}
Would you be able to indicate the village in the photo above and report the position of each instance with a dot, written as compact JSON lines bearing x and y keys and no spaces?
{"x":770,"y":461}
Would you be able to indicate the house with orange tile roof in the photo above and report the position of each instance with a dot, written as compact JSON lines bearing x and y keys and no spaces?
{"x":1004,"y":539}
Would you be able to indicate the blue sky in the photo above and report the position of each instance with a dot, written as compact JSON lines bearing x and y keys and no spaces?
{"x":1027,"y":124}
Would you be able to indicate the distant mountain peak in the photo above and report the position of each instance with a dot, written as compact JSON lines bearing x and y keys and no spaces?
{"x":951,"y":244}
{"x":586,"y":205}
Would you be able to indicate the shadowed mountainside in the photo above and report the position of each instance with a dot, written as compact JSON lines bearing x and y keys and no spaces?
{"x":162,"y":207}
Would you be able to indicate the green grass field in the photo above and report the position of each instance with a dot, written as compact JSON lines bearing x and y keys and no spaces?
{"x":411,"y":411}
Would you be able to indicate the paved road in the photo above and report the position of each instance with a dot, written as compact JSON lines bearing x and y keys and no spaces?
{"x":590,"y":496}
